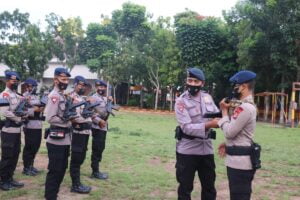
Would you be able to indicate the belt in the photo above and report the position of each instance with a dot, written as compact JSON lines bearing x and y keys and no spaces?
{"x":81,"y":126}
{"x":64,"y":129}
{"x":238,"y":150}
{"x":37,"y":118}
{"x":11,"y":123}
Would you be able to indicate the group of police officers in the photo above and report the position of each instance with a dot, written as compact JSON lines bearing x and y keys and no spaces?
{"x":194,"y":149}
{"x":65,"y":134}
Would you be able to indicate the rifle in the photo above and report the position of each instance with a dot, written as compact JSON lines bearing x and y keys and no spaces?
{"x":70,"y":111}
{"x":88,"y":109}
{"x":109,"y":109}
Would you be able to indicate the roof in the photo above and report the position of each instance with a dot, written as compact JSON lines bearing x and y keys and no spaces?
{"x":81,"y":70}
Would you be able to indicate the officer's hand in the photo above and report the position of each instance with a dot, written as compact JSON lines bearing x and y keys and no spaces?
{"x":37,"y":109}
{"x":110,"y":98}
{"x":102,"y":123}
{"x":224,"y":105}
{"x":212,"y":124}
{"x":222,"y":150}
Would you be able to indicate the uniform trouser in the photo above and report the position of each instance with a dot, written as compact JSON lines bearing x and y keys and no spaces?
{"x":98,"y":146}
{"x":79,"y":148}
{"x":58,"y":163}
{"x":10,"y":150}
{"x":33,"y":139}
{"x":240,"y":183}
{"x":186,"y":167}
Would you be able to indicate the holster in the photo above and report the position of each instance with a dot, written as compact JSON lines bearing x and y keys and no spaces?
{"x":47,"y":131}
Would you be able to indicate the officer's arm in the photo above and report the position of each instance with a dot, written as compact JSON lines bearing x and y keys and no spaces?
{"x":238,"y":121}
{"x":185,"y":121}
{"x":51,"y":110}
{"x":9,"y":113}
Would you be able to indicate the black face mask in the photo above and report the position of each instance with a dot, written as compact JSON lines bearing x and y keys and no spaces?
{"x":62,"y":86}
{"x":81,"y":91}
{"x":101,"y":92}
{"x":193,"y":90}
{"x":235,"y":93}
{"x":14,"y":86}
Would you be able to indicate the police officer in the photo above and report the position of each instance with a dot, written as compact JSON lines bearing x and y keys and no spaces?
{"x":80,"y":137}
{"x":194,"y":150}
{"x":11,"y":133}
{"x":99,"y":129}
{"x":239,"y":131}
{"x":32,"y":128}
{"x":58,"y":139}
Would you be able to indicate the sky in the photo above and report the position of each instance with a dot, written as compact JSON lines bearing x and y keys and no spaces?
{"x":91,"y":10}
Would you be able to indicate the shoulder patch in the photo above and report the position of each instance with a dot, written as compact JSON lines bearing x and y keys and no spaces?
{"x":5,"y":95}
{"x":180,"y":105}
{"x":237,"y":112}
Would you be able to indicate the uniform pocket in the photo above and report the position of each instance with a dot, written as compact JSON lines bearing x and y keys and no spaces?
{"x":194,"y":111}
{"x":209,"y":107}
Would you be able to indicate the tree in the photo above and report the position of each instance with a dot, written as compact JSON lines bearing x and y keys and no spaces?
{"x":162,"y":57}
{"x":26,"y":49}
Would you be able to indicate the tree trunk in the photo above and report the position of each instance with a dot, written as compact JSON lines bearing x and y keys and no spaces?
{"x":281,"y":119}
{"x":128,"y":93}
{"x":141,"y":97}
{"x":171,"y":100}
{"x":115,"y":98}
{"x":156,"y":96}
{"x":267,"y":107}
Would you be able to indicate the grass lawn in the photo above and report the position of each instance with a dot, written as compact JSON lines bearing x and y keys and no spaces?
{"x":140,"y":159}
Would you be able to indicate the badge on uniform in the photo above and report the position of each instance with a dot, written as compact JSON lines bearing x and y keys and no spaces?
{"x":207,"y":99}
{"x":180,"y":106}
{"x":237,"y":112}
{"x":54,"y":99}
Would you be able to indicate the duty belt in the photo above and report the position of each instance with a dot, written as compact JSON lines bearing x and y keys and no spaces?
{"x":82,"y":126}
{"x":238,"y":150}
{"x":64,"y":129}
{"x":11,"y":123}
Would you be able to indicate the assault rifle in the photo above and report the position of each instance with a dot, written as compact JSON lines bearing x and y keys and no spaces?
{"x":70,"y":111}
{"x":88,"y":109}
{"x":109,"y":109}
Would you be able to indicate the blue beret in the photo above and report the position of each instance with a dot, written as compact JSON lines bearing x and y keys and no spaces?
{"x":196,"y":73}
{"x":80,"y":79}
{"x":242,"y":77}
{"x":31,"y":81}
{"x":101,"y":83}
{"x":60,"y":70}
{"x":12,"y":75}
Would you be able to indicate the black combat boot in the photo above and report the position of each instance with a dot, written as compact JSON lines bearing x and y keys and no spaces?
{"x":100,"y":175}
{"x":29,"y":172}
{"x":80,"y":188}
{"x":35,"y":170}
{"x":6,"y":185}
{"x":16,"y":184}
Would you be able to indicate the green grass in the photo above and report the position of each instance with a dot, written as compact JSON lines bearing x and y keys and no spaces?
{"x":139,"y":157}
